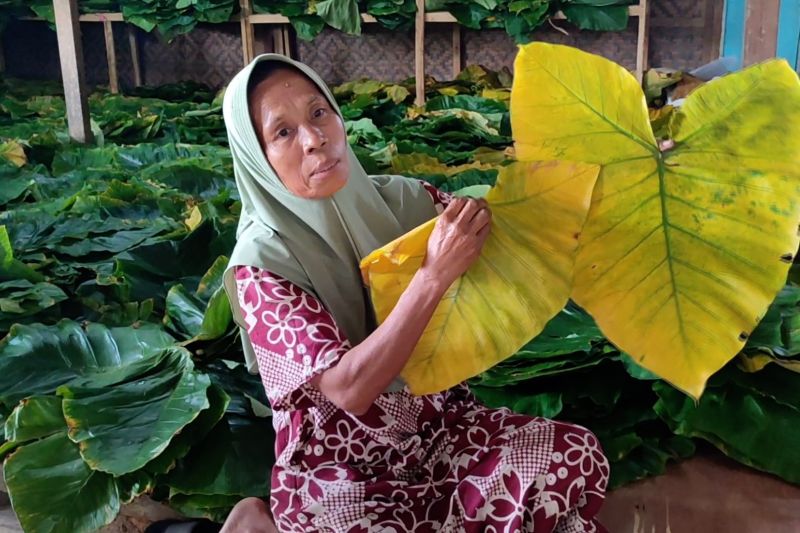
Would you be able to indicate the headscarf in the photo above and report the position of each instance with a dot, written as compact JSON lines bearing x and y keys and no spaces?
{"x":316,"y":244}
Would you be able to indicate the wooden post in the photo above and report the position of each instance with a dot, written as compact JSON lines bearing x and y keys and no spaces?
{"x":70,"y":53}
{"x":247,"y":31}
{"x":643,"y":40}
{"x":761,"y":30}
{"x":456,"y":50}
{"x":419,"y":53}
{"x":137,"y":65}
{"x":111,"y":57}
{"x":287,"y":41}
{"x":277,"y":40}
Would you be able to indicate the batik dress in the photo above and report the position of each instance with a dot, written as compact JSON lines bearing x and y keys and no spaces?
{"x":440,"y":462}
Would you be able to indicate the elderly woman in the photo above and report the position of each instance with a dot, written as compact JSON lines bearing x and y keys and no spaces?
{"x":355,"y":451}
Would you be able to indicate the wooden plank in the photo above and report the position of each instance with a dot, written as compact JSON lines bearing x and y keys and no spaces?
{"x":135,"y":59}
{"x":456,"y":50}
{"x":419,"y":53}
{"x":789,"y":32}
{"x":367,"y":18}
{"x":264,"y":18}
{"x":643,"y":40}
{"x":245,"y":22}
{"x":101,"y":17}
{"x":111,"y":57}
{"x":761,"y":30}
{"x":439,"y":16}
{"x":70,"y":53}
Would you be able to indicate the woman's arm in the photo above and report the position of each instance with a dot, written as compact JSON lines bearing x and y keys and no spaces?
{"x":365,"y":371}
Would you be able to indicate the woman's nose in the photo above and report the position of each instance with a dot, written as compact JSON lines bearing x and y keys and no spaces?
{"x":312,"y":138}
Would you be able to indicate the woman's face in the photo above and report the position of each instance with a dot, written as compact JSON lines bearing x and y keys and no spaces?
{"x":302,"y":136}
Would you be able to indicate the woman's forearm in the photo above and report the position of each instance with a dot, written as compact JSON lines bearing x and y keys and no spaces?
{"x":367,"y":369}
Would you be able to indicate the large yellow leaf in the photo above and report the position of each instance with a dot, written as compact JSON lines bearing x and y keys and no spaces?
{"x":683,"y":251}
{"x":521,"y":280}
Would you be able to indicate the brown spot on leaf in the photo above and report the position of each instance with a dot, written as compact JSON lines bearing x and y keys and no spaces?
{"x":576,"y":235}
{"x":787,"y":258}
{"x":743,"y":336}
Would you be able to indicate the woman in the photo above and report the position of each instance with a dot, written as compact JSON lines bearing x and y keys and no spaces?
{"x":355,"y":451}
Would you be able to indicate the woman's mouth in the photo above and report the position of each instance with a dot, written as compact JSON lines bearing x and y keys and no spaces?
{"x":324,"y":170}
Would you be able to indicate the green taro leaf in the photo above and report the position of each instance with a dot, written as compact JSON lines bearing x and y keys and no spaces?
{"x":37,"y":359}
{"x":53,"y":490}
{"x":126,"y":416}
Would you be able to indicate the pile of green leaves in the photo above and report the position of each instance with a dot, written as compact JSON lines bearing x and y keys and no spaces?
{"x":121,"y":367}
{"x":173,"y":18}
{"x":310,"y":17}
{"x":519,"y":18}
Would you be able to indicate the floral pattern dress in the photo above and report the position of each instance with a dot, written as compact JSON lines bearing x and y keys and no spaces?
{"x":441,"y":462}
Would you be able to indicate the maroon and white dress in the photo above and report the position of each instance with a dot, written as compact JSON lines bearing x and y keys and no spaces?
{"x":441,"y":462}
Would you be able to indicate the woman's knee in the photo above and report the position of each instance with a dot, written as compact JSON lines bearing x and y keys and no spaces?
{"x":250,"y":515}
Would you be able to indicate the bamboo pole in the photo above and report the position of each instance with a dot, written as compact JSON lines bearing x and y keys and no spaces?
{"x":643,"y":40}
{"x":111,"y":57}
{"x":135,"y":60}
{"x":456,"y":50}
{"x":247,"y":31}
{"x":70,"y":53}
{"x":419,"y":53}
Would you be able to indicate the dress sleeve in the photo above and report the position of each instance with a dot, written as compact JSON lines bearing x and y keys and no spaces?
{"x":294,"y":337}
{"x":440,"y":199}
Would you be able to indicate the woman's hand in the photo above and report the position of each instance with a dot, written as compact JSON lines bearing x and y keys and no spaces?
{"x":457,"y":240}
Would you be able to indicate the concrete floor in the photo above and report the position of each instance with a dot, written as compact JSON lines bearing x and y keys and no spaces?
{"x":706,"y":494}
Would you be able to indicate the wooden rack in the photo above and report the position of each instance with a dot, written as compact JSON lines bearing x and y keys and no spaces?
{"x":281,"y":39}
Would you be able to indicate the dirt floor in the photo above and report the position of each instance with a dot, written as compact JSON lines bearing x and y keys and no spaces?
{"x":706,"y":494}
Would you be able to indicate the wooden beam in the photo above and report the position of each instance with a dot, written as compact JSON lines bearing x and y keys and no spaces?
{"x":246,"y":15}
{"x":135,"y":60}
{"x":643,"y":40}
{"x":102,"y":17}
{"x":456,"y":50}
{"x":111,"y":57}
{"x":70,"y":53}
{"x":262,"y":18}
{"x":761,"y":30}
{"x":419,"y":53}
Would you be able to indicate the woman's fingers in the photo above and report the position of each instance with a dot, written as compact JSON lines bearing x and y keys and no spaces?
{"x":482,"y":218}
{"x":468,"y":212}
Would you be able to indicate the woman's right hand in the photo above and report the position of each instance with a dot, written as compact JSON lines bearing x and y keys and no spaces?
{"x":457,"y":240}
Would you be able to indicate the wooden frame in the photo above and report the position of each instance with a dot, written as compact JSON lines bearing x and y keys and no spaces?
{"x":640,"y":11}
{"x":282,"y":40}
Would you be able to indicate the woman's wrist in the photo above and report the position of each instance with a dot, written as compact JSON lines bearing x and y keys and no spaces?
{"x":432,"y":281}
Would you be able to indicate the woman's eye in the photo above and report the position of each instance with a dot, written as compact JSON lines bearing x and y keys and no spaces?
{"x":319,"y":112}
{"x":283,"y":132}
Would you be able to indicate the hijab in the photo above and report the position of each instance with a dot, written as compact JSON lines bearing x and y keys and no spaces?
{"x":316,"y":244}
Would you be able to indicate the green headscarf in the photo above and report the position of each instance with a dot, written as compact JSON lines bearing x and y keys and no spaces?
{"x":315,"y":244}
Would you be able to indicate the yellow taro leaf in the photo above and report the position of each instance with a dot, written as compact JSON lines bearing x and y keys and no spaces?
{"x":13,"y":152}
{"x":521,"y":280}
{"x":682,"y":251}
